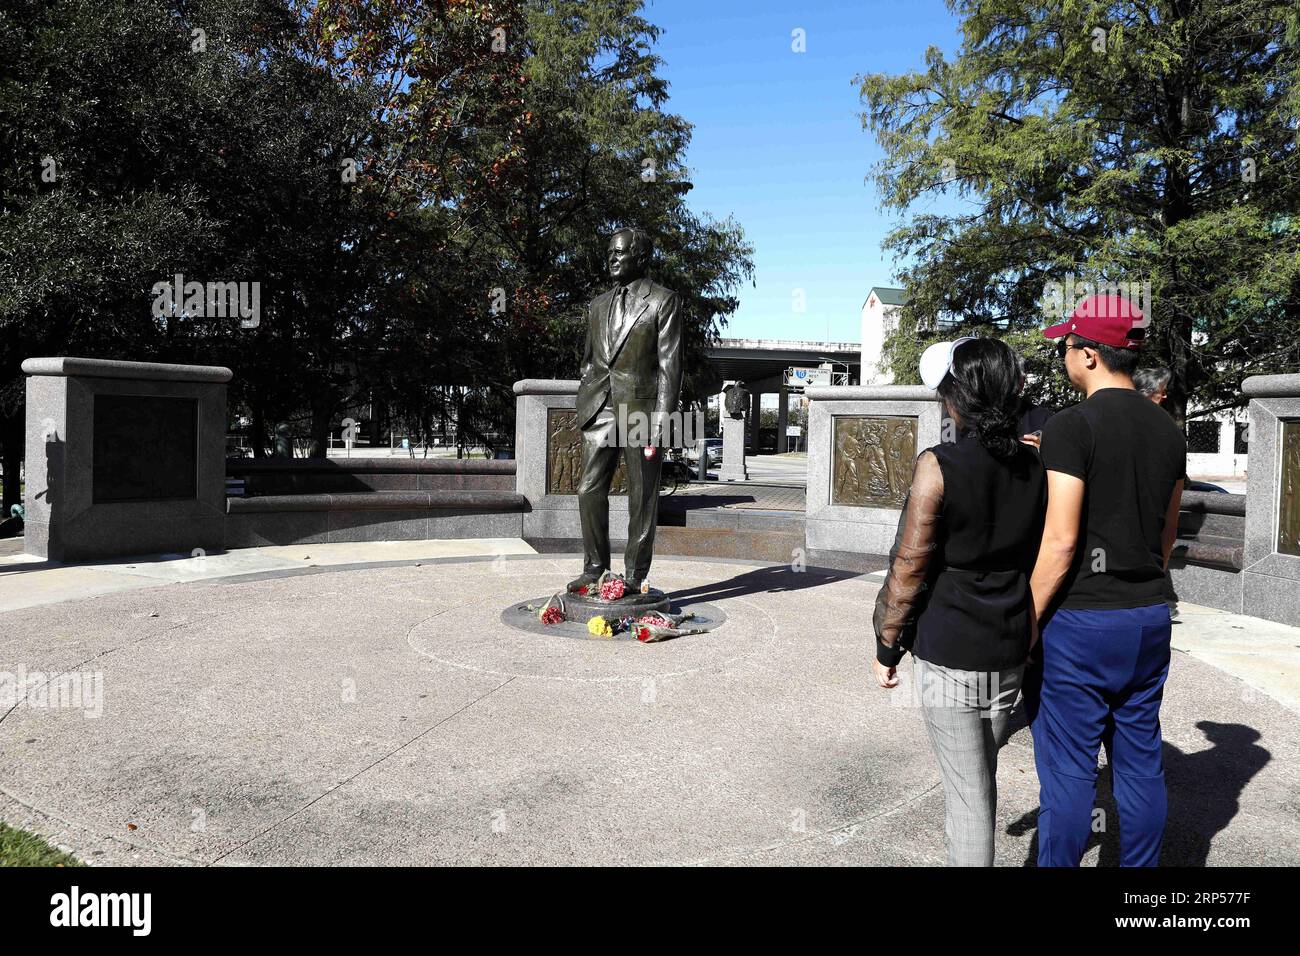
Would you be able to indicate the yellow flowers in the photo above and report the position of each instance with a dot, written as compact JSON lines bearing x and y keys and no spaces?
{"x":599,"y":627}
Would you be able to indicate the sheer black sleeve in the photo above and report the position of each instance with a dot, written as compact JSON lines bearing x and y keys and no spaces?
{"x":909,"y":560}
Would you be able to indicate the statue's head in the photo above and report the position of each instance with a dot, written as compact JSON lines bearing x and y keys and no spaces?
{"x":628,"y":255}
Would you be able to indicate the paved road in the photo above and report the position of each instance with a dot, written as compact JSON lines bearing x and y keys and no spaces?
{"x":786,"y":470}
{"x":779,"y":469}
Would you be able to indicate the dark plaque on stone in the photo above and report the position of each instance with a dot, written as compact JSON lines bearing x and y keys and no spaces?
{"x":145,"y":448}
{"x":873,"y":460}
{"x":564,"y":455}
{"x":1288,"y":523}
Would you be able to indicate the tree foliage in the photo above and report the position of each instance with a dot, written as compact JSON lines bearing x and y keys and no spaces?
{"x":422,"y":190}
{"x":1114,"y":143}
{"x":562,"y":138}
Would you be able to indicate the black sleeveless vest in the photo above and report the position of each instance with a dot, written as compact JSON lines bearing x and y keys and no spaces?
{"x":977,"y":615}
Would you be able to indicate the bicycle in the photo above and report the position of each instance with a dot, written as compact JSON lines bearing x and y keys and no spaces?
{"x":674,"y":473}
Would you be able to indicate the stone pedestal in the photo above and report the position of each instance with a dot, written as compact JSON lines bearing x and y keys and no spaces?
{"x":124,"y":458}
{"x":733,"y":449}
{"x":1271,"y":562}
{"x":582,"y":607}
{"x":578,"y":611}
{"x":782,"y":418}
{"x":862,"y":447}
{"x":548,"y":463}
{"x":754,"y":417}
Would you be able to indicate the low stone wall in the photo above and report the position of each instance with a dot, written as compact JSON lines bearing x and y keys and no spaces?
{"x":1242,"y":552}
{"x":373,"y":516}
{"x":93,"y":425}
{"x":305,"y":476}
{"x":1205,"y":565}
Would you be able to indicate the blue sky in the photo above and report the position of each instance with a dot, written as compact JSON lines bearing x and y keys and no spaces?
{"x":778,"y":142}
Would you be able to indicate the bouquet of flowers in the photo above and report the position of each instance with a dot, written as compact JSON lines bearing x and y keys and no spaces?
{"x":552,"y":611}
{"x":612,"y":589}
{"x":600,"y":627}
{"x":657,"y":626}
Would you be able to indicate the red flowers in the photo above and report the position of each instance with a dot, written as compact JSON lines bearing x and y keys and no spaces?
{"x":613,"y":589}
{"x":552,"y":612}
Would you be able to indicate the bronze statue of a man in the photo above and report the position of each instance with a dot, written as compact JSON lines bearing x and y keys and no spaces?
{"x":631,"y":380}
{"x":737,"y":399}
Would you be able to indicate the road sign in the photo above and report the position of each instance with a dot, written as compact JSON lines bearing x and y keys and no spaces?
{"x":798,"y":379}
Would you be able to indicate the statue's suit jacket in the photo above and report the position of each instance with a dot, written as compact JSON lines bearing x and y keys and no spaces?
{"x":642,"y":369}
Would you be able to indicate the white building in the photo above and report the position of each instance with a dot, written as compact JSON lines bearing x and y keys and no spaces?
{"x":1217,"y":446}
{"x":879,"y":320}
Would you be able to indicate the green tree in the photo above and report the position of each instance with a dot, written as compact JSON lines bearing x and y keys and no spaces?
{"x":1113,"y":142}
{"x":96,"y":200}
{"x":566,"y":139}
{"x":380,"y":171}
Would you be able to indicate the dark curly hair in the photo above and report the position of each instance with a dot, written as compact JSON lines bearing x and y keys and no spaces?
{"x":983,"y":391}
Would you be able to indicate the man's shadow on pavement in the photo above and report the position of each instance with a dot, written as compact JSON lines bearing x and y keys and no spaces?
{"x":767,"y":580}
{"x":1204,"y":793}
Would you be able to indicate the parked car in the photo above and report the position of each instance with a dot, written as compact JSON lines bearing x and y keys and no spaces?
{"x":1204,"y":486}
{"x":712,"y":448}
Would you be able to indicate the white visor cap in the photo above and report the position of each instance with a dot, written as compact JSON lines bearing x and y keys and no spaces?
{"x":936,"y":361}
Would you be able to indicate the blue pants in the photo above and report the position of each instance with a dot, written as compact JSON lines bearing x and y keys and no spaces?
{"x":1100,"y":683}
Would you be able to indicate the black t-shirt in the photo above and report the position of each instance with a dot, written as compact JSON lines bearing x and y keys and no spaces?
{"x":1129,"y":453}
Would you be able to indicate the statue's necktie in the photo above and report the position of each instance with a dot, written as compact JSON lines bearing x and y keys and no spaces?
{"x":617,"y":316}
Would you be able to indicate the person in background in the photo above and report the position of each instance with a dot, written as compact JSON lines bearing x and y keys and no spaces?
{"x":958,"y":581}
{"x":1030,"y":417}
{"x":1153,"y":383}
{"x":1116,"y":465}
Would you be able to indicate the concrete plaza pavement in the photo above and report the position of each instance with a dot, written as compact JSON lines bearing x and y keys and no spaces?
{"x":365,"y":706}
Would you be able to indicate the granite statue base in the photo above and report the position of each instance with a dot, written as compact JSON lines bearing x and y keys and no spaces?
{"x":583,"y":607}
{"x":578,"y":609}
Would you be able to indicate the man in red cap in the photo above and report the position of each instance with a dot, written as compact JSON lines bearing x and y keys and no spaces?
{"x":1115,"y":464}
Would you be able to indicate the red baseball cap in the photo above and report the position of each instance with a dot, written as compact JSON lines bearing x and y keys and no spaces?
{"x":1106,"y":319}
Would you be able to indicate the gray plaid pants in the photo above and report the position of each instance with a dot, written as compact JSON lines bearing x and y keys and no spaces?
{"x":966,"y":714}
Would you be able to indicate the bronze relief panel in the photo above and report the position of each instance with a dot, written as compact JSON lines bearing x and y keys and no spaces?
{"x":564,"y":455}
{"x":872,"y":460}
{"x":1288,"y":523}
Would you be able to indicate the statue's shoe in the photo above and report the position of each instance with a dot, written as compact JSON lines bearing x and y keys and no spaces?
{"x":634,"y":585}
{"x":585,"y":580}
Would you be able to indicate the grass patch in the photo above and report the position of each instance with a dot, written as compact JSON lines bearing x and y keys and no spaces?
{"x":20,"y":848}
